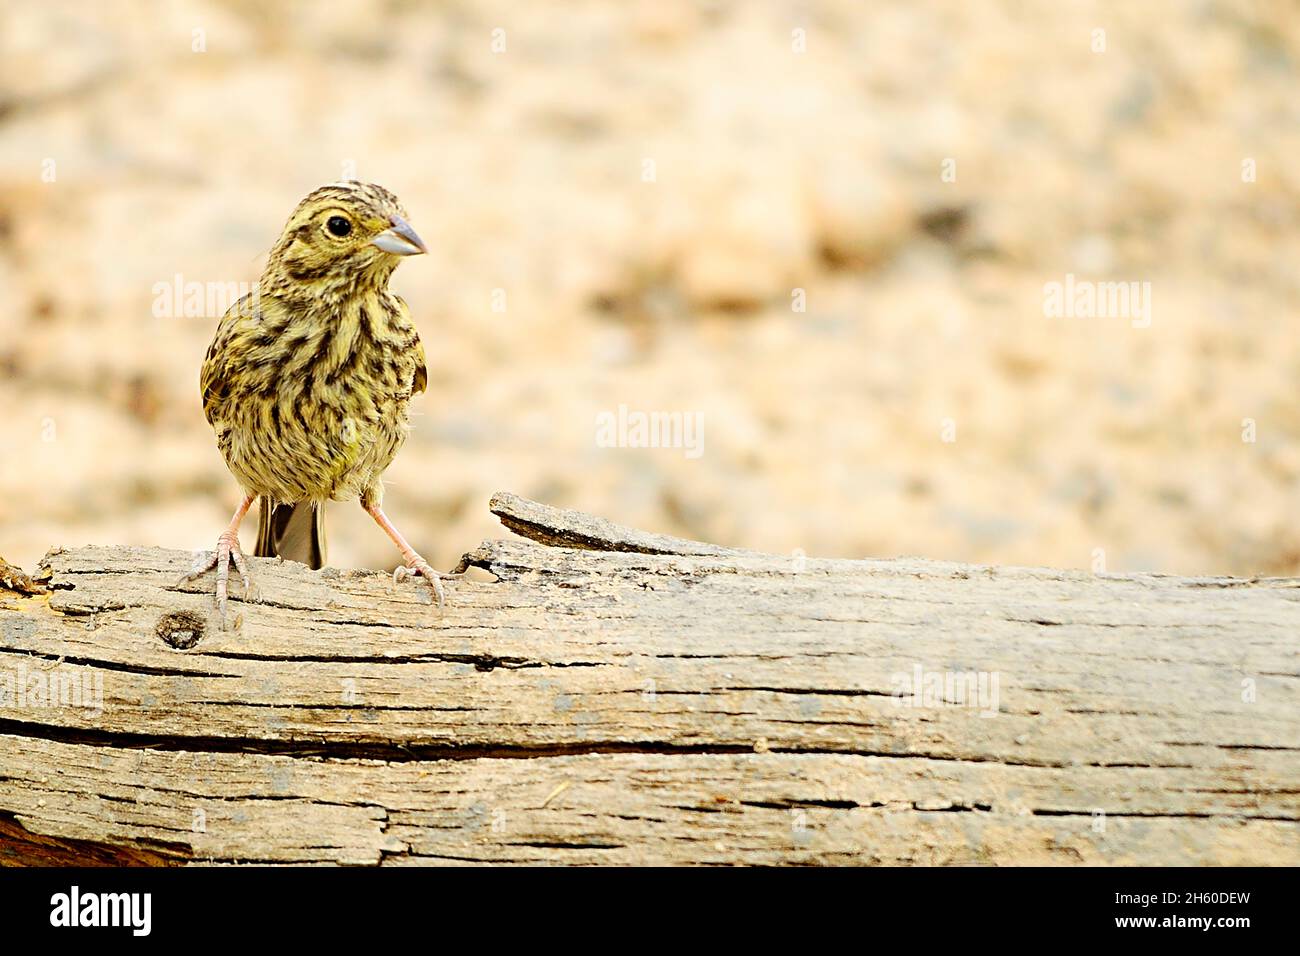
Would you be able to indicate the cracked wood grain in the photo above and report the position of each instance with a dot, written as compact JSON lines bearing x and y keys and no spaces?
{"x":614,"y":696}
{"x":573,"y":529}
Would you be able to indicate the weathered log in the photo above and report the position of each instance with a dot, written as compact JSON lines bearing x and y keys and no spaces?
{"x":615,"y":696}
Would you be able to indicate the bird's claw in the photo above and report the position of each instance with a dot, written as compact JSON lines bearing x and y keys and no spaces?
{"x":418,"y":567}
{"x":227,"y":550}
{"x":204,"y":561}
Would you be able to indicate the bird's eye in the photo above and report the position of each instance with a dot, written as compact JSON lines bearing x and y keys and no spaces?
{"x":338,"y":226}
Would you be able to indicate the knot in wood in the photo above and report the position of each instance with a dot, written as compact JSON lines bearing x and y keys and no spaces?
{"x":180,"y":629}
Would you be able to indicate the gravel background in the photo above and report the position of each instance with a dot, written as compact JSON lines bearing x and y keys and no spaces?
{"x":1077,"y":441}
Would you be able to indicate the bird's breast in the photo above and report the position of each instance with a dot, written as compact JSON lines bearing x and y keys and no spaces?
{"x":326,"y":408}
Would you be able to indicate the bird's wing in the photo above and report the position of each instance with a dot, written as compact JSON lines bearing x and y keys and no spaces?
{"x":214,"y":380}
{"x":421,"y":365}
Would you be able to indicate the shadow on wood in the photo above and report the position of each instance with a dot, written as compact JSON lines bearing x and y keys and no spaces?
{"x":614,"y":696}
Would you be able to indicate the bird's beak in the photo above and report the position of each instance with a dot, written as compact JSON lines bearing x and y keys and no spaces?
{"x":401,"y":240}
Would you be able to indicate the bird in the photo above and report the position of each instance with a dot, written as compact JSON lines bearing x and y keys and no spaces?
{"x":308,"y":382}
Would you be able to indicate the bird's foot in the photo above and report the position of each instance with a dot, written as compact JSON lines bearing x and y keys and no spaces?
{"x":227,"y":550}
{"x":416,"y":566}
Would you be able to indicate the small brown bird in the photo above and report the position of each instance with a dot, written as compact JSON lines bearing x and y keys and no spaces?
{"x":308,"y":380}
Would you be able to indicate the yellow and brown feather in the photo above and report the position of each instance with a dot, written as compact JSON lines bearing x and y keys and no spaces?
{"x":308,"y":381}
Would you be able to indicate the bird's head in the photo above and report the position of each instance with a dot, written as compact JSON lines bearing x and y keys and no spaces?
{"x":342,"y":236}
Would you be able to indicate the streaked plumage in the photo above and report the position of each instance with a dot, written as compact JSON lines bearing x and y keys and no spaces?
{"x":308,"y":382}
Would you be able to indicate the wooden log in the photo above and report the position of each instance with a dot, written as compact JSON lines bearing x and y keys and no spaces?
{"x":612,"y":696}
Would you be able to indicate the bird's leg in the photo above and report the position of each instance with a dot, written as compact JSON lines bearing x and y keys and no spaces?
{"x":414,"y":563}
{"x":227,"y":548}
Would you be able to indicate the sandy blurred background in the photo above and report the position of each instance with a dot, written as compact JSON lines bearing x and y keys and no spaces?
{"x":774,"y":170}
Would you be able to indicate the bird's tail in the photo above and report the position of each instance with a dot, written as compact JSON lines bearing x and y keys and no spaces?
{"x":295,"y":532}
